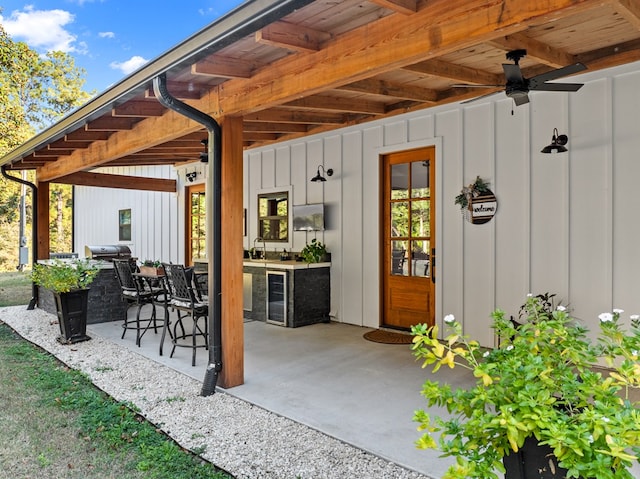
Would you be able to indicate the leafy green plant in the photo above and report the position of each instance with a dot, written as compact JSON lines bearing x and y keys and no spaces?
{"x":64,"y":276}
{"x":152,"y":263}
{"x":314,"y":252}
{"x":546,"y":381}
{"x":477,"y":188}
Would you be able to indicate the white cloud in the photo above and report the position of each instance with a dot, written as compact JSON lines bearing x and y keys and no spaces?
{"x":43,"y":30}
{"x":106,"y":35}
{"x":130,"y":65}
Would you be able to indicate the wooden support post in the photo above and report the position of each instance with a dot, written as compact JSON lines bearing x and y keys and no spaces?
{"x":42,"y":221}
{"x":232,"y":208}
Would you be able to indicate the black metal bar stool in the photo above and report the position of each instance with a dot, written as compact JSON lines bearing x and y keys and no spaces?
{"x":186,"y":301}
{"x":136,"y":292}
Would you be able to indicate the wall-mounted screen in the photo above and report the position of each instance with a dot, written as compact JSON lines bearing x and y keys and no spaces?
{"x":308,"y":217}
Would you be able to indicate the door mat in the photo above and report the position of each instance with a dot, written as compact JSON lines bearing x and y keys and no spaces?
{"x":388,"y":337}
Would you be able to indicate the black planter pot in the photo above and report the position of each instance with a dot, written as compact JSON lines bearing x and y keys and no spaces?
{"x":72,"y":315}
{"x":533,"y":461}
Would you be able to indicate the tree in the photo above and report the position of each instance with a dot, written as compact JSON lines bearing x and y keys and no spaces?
{"x":35,"y":91}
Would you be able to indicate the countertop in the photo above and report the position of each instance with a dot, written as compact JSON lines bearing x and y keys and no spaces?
{"x":289,"y":264}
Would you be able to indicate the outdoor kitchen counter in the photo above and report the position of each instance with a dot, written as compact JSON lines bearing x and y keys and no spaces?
{"x":289,"y":264}
{"x":307,"y":287}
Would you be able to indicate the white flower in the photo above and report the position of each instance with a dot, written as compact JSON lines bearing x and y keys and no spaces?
{"x":561,"y":308}
{"x":591,"y":438}
{"x":449,"y":318}
{"x":635,"y":317}
{"x":605,"y":419}
{"x":485,"y":354}
{"x":509,"y":348}
{"x":618,"y":311}
{"x":605,"y":317}
{"x":529,"y":295}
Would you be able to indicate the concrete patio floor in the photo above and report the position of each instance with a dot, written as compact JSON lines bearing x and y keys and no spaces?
{"x":325,"y":376}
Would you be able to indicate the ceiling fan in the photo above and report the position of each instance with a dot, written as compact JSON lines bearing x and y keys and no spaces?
{"x":518,"y":87}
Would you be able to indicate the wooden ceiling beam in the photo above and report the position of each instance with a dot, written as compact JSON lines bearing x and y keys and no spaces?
{"x":332,"y":103}
{"x":86,"y":135}
{"x":223,"y":67}
{"x":109,"y":123}
{"x":385,"y":88}
{"x":138,"y":108}
{"x":65,"y":145}
{"x":392,"y":42}
{"x":536,"y":50}
{"x":456,"y":73}
{"x":406,"y":7}
{"x":145,"y":134}
{"x":612,"y":55}
{"x":293,"y":116}
{"x":629,"y":9}
{"x":292,"y":37}
{"x":264,"y":127}
{"x":255,"y":136}
{"x":119,"y":181}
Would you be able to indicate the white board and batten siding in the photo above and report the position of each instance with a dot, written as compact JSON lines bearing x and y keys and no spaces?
{"x":566,"y":223}
{"x":157,"y":218}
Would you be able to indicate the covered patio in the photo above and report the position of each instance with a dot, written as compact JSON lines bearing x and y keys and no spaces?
{"x":325,"y":376}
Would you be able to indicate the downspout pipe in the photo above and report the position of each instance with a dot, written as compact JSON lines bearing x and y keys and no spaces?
{"x":34,"y":228}
{"x":214,"y":222}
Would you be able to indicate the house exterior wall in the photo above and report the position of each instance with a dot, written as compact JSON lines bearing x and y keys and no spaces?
{"x":157,"y":229}
{"x":565,"y":223}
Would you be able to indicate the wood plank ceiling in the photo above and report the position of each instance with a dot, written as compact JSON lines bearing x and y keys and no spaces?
{"x":335,"y":63}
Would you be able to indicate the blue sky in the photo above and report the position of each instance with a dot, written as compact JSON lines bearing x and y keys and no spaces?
{"x":108,"y":38}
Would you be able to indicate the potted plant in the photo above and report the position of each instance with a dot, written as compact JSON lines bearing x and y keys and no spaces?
{"x":69,"y":282}
{"x":152,"y":268}
{"x":547,"y":385}
{"x":314,"y":252}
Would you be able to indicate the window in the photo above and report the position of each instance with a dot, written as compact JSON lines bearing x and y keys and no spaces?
{"x":124,"y":225}
{"x":273,"y":216}
{"x":196,"y":223}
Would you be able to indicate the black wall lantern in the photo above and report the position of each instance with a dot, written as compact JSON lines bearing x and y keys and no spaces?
{"x":557,"y":143}
{"x":319,"y":177}
{"x":204,"y":157}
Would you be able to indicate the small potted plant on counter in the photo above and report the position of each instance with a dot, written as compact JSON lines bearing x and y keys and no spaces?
{"x":69,"y":282}
{"x":152,"y":268}
{"x":314,"y":252}
{"x":547,"y":392}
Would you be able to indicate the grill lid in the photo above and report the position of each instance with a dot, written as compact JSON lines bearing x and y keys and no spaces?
{"x":107,"y":251}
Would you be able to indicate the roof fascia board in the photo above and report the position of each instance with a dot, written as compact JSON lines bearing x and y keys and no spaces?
{"x":246,"y":19}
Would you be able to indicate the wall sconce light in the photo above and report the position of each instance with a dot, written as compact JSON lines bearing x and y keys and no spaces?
{"x":557,"y":143}
{"x":191,"y":176}
{"x":319,"y":177}
{"x":204,"y":157}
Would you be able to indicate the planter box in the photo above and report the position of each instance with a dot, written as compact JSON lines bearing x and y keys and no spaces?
{"x":152,"y":270}
{"x":533,"y":461}
{"x":71,"y":308}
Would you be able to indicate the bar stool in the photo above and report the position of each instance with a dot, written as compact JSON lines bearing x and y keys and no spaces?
{"x":136,"y":293}
{"x":184,"y":299}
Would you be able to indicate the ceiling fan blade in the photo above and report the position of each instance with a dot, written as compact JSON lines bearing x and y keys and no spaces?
{"x":558,"y":73}
{"x":556,"y":87}
{"x":512,"y":73}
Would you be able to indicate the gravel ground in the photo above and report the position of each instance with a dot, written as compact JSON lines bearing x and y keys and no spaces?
{"x":243,"y":439}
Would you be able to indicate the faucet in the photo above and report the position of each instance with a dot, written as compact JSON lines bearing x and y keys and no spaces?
{"x":264,"y":246}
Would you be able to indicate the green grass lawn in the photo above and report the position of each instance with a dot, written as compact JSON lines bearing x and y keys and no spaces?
{"x":55,"y":424}
{"x":15,"y":288}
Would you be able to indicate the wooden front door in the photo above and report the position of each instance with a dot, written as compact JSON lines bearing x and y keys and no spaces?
{"x":196,"y":233}
{"x":408,"y":238}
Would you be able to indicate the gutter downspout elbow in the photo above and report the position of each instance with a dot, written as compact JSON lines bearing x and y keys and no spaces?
{"x":213,"y":223}
{"x":34,"y":229}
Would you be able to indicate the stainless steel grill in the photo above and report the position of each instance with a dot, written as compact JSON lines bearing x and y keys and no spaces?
{"x":107,"y":252}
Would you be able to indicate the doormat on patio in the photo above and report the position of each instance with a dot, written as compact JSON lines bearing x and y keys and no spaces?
{"x":387,"y":337}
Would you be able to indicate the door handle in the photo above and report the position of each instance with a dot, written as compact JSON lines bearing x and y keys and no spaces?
{"x":433,"y":265}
